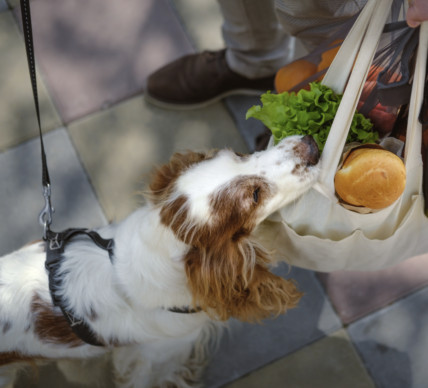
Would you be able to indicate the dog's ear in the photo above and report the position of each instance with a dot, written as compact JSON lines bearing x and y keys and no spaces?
{"x":164,"y":177}
{"x":233,"y":280}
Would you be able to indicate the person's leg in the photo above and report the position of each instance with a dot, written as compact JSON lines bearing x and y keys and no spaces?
{"x":256,"y":43}
{"x":255,"y":49}
{"x":313,"y":21}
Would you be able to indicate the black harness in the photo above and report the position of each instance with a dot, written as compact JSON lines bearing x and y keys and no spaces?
{"x":55,"y":247}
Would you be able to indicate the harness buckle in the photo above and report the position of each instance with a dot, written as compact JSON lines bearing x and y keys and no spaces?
{"x":45,"y":216}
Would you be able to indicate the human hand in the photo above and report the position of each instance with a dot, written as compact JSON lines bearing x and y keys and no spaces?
{"x":417,"y":12}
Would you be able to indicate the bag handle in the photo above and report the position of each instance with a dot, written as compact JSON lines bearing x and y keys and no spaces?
{"x":354,"y":57}
{"x":412,"y":150}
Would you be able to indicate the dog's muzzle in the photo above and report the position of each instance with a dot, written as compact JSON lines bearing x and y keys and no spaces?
{"x":309,"y":150}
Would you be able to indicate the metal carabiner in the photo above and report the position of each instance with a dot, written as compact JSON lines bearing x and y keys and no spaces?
{"x":45,"y":216}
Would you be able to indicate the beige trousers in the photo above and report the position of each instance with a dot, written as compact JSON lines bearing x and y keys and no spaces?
{"x":260,"y":34}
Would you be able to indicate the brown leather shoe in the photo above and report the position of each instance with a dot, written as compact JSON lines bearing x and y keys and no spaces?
{"x":197,"y":80}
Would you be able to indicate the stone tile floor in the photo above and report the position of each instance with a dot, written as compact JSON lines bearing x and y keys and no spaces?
{"x":351,"y":329}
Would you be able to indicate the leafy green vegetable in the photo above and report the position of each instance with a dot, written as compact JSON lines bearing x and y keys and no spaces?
{"x":309,"y":112}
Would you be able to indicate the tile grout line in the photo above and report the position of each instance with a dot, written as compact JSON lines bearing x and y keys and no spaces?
{"x":86,"y":173}
{"x":359,"y":355}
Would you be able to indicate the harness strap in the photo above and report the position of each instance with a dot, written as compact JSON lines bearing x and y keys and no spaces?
{"x":184,"y":310}
{"x":55,"y":246}
{"x":58,"y":241}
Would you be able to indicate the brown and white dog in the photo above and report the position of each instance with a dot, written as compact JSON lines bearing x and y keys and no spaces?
{"x":189,"y":249}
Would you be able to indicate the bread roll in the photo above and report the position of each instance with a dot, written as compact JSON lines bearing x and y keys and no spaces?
{"x":371,"y":177}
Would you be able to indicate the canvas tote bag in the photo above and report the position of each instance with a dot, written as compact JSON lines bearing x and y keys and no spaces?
{"x":316,"y":232}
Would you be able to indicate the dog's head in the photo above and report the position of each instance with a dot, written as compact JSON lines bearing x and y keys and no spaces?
{"x":212,"y":202}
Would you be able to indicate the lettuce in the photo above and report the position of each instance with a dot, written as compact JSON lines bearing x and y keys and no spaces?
{"x":309,"y":112}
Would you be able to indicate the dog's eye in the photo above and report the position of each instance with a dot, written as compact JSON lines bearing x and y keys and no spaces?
{"x":256,"y":195}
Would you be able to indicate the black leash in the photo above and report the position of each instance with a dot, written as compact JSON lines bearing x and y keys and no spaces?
{"x":45,"y":217}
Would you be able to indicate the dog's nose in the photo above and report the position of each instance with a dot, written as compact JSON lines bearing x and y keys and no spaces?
{"x":310,"y":150}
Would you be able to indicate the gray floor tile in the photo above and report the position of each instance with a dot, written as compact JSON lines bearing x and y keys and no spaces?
{"x":331,"y":362}
{"x":121,"y":146}
{"x":356,"y":294}
{"x":250,"y":129}
{"x":96,"y":53}
{"x":394,"y":343}
{"x":12,"y":3}
{"x":51,"y":376}
{"x":3,"y":6}
{"x":246,"y":347}
{"x":17,"y":113}
{"x":202,"y":20}
{"x":21,"y":193}
{"x":238,"y":106}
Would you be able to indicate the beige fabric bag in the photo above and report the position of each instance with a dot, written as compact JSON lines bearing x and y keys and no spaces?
{"x":318,"y":233}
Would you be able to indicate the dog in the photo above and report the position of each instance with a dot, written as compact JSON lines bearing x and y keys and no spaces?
{"x":180,"y":266}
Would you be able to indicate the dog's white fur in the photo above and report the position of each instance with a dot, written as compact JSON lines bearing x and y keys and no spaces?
{"x":169,"y":253}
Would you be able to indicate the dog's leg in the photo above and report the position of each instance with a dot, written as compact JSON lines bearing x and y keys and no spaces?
{"x":161,"y":365}
{"x":165,"y":363}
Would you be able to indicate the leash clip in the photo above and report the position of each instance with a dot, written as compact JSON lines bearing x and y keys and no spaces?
{"x":45,"y":216}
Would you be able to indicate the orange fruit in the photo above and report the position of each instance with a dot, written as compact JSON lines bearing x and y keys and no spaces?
{"x":328,"y":56}
{"x":292,"y":74}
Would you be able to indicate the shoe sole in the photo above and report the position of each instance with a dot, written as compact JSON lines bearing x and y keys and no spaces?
{"x":183,"y":107}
